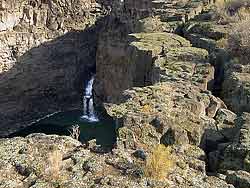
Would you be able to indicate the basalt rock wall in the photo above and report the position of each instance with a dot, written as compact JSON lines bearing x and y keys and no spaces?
{"x":120,"y":63}
{"x":47,"y":51}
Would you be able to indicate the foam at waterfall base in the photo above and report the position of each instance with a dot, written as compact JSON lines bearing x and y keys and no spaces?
{"x":88,"y":103}
{"x":91,"y":119}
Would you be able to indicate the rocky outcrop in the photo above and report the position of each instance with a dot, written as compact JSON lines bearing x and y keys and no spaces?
{"x":47,"y":51}
{"x":171,"y":103}
{"x":205,"y":31}
{"x":168,"y":113}
{"x":232,"y":76}
{"x":232,"y":158}
{"x":176,"y":108}
{"x":156,"y":85}
{"x":149,"y":58}
{"x":235,"y":155}
{"x":169,"y":16}
{"x":175,"y":13}
{"x":236,"y":87}
{"x":117,"y":43}
{"x":51,"y":161}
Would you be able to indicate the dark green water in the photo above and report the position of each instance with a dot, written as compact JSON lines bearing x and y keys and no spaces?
{"x":60,"y":124}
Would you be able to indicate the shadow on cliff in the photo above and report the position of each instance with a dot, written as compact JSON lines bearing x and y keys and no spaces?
{"x":46,"y":79}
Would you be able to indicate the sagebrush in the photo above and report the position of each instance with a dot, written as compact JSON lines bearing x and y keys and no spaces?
{"x":159,"y":163}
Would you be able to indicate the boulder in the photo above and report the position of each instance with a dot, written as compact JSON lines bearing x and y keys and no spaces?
{"x":236,"y":87}
{"x":226,"y":123}
{"x":235,"y":154}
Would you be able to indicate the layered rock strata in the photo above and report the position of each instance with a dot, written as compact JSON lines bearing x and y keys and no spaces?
{"x":159,"y":92}
{"x":236,"y":87}
{"x":47,"y":51}
{"x":179,"y":96}
{"x":232,"y":76}
{"x":153,"y":83}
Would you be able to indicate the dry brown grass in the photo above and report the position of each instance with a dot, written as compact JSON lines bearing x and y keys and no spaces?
{"x":75,"y":132}
{"x":54,"y":165}
{"x":146,"y":108}
{"x":159,"y":163}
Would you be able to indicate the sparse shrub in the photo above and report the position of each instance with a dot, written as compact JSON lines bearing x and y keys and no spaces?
{"x":75,"y":132}
{"x":159,"y":163}
{"x":146,"y":108}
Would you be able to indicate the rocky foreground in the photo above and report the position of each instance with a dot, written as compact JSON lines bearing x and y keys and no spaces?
{"x":31,"y":162}
{"x":159,"y":65}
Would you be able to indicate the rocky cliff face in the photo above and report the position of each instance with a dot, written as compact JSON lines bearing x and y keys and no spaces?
{"x":124,"y":58}
{"x":47,"y":51}
{"x":236,"y":87}
{"x":177,"y":103}
{"x":156,"y":84}
{"x":155,"y":73}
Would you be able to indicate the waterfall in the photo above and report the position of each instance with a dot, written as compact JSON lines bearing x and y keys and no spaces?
{"x":88,"y":103}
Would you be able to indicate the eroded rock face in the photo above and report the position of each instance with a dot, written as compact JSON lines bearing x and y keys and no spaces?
{"x":235,"y":155}
{"x":55,"y":15}
{"x":236,"y":87}
{"x":154,"y":84}
{"x":232,"y":76}
{"x":40,"y":21}
{"x":177,"y":108}
{"x":166,"y":82}
{"x":47,"y":51}
{"x":118,"y":47}
{"x":169,"y":113}
{"x":170,"y":103}
{"x":147,"y":58}
{"x":122,"y":65}
{"x":206,"y":32}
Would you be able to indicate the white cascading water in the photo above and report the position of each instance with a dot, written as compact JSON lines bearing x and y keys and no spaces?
{"x":88,"y":103}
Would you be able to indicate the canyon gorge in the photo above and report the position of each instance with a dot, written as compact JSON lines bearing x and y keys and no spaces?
{"x":161,"y":75}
